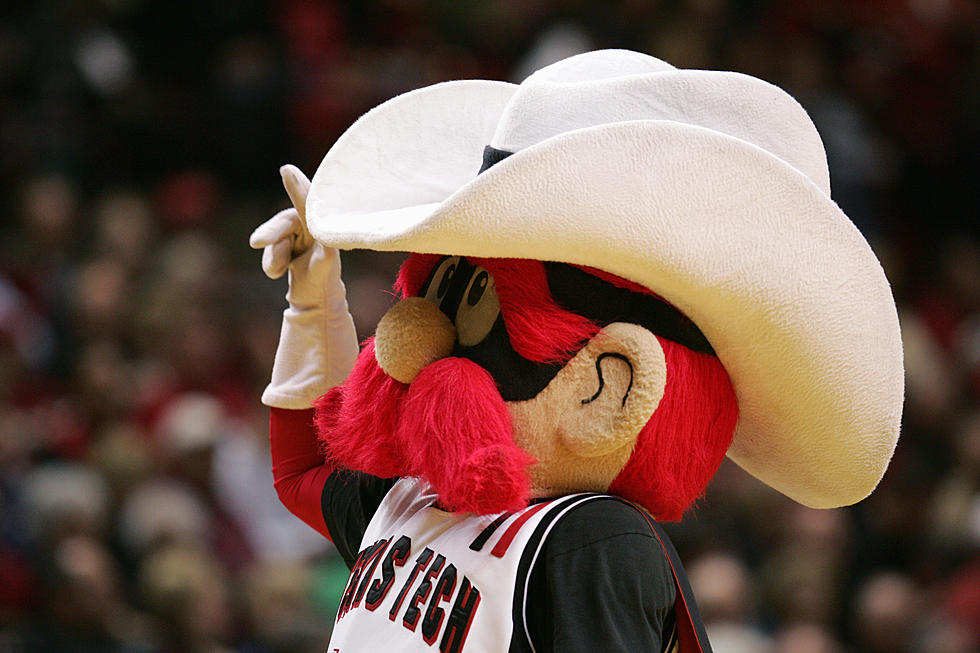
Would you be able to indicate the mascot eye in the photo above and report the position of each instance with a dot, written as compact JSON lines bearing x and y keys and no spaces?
{"x":477,"y":286}
{"x":442,"y":279}
{"x":479,"y":309}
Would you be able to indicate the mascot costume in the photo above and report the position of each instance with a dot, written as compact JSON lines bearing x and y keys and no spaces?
{"x":645,"y":274}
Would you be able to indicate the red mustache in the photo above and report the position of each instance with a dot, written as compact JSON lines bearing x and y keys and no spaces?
{"x":450,"y":426}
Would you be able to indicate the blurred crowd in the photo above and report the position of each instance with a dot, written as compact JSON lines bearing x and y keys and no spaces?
{"x":139,"y":145}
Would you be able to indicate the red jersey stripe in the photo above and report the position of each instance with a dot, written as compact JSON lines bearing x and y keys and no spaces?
{"x":500,"y":548}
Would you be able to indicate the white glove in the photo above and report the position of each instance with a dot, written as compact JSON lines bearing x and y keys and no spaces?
{"x":318,"y":343}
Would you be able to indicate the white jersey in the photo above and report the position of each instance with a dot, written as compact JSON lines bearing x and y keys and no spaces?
{"x":429,"y":579}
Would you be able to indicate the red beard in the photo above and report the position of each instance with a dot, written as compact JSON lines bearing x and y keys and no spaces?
{"x":450,"y":426}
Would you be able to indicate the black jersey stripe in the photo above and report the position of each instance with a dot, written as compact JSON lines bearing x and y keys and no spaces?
{"x":487,"y":532}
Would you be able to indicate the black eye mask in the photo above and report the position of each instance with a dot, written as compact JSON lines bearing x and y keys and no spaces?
{"x":577,"y":291}
{"x":517,"y":378}
{"x":600,"y":301}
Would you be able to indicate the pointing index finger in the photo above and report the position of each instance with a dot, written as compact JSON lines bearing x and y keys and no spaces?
{"x":297,"y":187}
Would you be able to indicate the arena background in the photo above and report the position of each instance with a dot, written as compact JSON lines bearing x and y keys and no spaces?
{"x":139,"y":145}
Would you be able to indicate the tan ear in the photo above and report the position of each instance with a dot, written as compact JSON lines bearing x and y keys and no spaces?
{"x":614,"y":384}
{"x":583,"y":426}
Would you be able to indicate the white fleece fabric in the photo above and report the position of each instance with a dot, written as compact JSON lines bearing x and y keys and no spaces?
{"x":708,"y":188}
{"x":318,"y":342}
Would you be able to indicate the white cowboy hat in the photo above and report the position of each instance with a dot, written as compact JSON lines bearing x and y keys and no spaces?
{"x":710,"y":188}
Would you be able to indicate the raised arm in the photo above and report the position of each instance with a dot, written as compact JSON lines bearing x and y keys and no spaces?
{"x":317,"y":349}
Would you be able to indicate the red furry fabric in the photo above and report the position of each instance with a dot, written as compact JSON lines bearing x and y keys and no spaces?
{"x":357,"y":422}
{"x":458,"y":434}
{"x":450,"y":426}
{"x":683,"y":444}
{"x":413,"y":273}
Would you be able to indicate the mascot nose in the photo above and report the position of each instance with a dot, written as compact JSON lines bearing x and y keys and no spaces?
{"x":412,"y":334}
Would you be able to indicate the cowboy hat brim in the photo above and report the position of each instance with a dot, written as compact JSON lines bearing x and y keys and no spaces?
{"x":778,"y":279}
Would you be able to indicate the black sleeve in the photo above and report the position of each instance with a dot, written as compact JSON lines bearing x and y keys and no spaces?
{"x":602,"y":583}
{"x":349,"y":500}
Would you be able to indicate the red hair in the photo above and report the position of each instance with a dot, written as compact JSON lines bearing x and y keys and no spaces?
{"x":367,"y":403}
{"x":450,"y":426}
{"x":458,"y":433}
{"x":414,"y":272}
